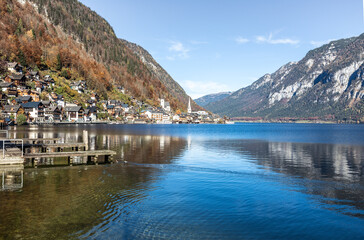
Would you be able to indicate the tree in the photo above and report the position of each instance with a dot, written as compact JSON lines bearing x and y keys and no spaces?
{"x":44,"y":96}
{"x":20,"y":28}
{"x":3,"y":67}
{"x":21,"y":58}
{"x":21,"y":119}
{"x":59,"y":63}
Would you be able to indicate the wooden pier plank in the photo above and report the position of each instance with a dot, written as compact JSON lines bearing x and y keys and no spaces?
{"x":71,"y":154}
{"x":41,"y":139}
{"x":64,"y":145}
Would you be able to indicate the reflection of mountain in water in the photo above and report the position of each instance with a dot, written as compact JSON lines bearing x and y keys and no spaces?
{"x":339,"y":168}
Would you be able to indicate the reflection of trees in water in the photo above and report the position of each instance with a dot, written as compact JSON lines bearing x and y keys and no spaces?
{"x":134,"y":148}
{"x":339,"y":167}
{"x":140,"y":149}
{"x":58,"y":202}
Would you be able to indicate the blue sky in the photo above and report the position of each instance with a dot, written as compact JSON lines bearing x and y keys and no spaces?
{"x":210,"y":46}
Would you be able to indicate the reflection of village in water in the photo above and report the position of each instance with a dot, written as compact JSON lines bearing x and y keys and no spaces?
{"x":325,"y":162}
{"x":11,"y":178}
{"x":129,"y":148}
{"x":85,"y":198}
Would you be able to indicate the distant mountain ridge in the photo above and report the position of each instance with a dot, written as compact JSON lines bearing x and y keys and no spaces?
{"x":210,"y":98}
{"x":327,"y":83}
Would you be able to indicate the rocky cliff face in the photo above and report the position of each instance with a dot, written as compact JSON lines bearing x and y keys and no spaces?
{"x":327,"y":81}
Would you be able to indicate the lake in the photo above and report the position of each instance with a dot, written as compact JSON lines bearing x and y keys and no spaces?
{"x":242,"y":181}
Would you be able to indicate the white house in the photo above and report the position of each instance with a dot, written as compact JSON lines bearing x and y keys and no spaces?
{"x":74,"y":113}
{"x":35,"y":110}
{"x":176,"y":117}
{"x":15,"y":67}
{"x":165,"y":105}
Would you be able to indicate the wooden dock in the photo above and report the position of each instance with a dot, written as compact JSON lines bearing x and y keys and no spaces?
{"x":18,"y":151}
{"x":70,"y":154}
{"x":38,"y":140}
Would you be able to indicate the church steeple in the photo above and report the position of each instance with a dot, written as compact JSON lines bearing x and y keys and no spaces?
{"x":189,"y":110}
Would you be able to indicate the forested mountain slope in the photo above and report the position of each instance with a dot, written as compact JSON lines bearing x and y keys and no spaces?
{"x":66,"y":35}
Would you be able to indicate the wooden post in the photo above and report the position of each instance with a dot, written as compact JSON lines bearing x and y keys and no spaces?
{"x":36,"y":161}
{"x":70,"y":161}
{"x":111,"y":159}
{"x":85,"y":139}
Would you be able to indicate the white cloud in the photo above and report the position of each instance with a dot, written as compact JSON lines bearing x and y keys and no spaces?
{"x":179,"y":50}
{"x":271,"y":40}
{"x":241,"y":40}
{"x":320,"y":43}
{"x":198,"y":89}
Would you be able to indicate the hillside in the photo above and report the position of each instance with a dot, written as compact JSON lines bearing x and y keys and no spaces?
{"x":205,"y":100}
{"x":66,"y":36}
{"x":328,"y":83}
{"x":172,"y":86}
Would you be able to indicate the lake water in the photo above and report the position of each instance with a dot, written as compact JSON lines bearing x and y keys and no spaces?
{"x":242,"y":181}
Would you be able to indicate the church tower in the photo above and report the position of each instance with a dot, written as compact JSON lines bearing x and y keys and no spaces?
{"x":189,"y":110}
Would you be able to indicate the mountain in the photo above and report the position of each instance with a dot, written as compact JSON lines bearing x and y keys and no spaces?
{"x":65,"y":35}
{"x":205,"y":100}
{"x":172,"y":86}
{"x":328,"y":83}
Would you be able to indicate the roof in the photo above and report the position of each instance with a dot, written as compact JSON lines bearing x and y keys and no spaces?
{"x":31,"y":104}
{"x":17,"y":76}
{"x":157,"y":112}
{"x":72,"y":108}
{"x":33,"y":73}
{"x":92,"y":109}
{"x":110,"y":106}
{"x":12,"y":65}
{"x":46,"y":102}
{"x":52,"y":108}
{"x":23,"y":98}
{"x":26,"y":98}
{"x":6,"y":84}
{"x":11,"y":108}
{"x":124,"y":105}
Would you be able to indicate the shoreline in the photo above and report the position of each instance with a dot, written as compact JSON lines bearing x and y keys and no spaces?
{"x":235,"y":122}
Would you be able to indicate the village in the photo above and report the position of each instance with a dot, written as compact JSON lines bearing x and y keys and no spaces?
{"x":27,"y":97}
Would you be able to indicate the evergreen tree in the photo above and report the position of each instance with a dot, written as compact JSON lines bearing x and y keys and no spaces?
{"x":59,"y":63}
{"x":20,"y":29}
{"x":21,"y":58}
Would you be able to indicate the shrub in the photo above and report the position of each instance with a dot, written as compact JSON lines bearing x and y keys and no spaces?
{"x":21,"y":119}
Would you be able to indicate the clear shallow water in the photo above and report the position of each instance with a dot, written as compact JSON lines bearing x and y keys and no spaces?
{"x":245,"y":181}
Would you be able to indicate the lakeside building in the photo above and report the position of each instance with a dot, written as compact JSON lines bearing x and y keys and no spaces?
{"x":30,"y":94}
